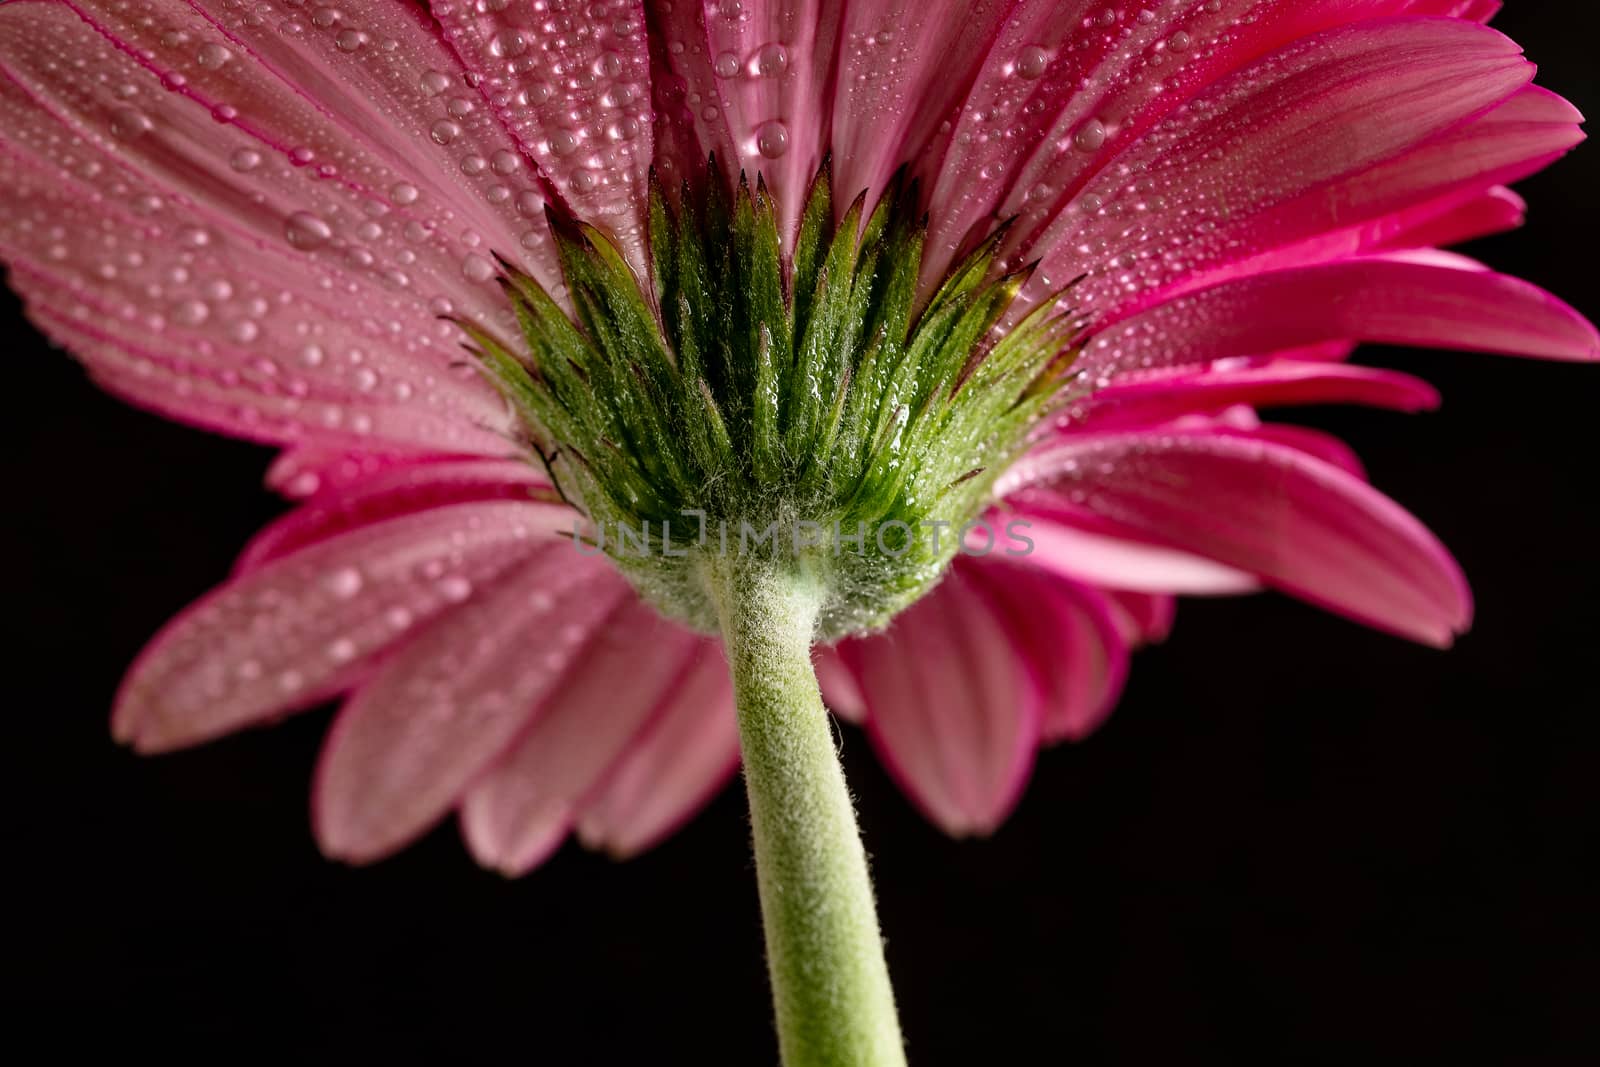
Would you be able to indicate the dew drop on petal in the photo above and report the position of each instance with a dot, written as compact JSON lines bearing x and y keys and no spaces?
{"x":772,"y":60}
{"x":306,"y":231}
{"x":476,"y":268}
{"x":128,"y":123}
{"x":344,"y":583}
{"x":772,"y":139}
{"x":508,"y":44}
{"x":563,"y":142}
{"x":213,"y":55}
{"x":1090,"y":136}
{"x":1032,"y":61}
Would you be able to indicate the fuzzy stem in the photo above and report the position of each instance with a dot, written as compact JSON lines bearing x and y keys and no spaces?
{"x":830,"y":984}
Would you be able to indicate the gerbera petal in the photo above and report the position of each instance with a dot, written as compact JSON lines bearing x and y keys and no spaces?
{"x":1064,"y":88}
{"x":1282,"y":150}
{"x":839,"y":689}
{"x":904,"y":68}
{"x":1372,"y":209}
{"x":218,"y":245}
{"x":1303,"y":525}
{"x":1067,"y":542}
{"x":953,"y":707}
{"x":304,"y":471}
{"x":623,"y":674}
{"x":1157,"y":396}
{"x":571,"y":80}
{"x":1453,"y":221}
{"x":750,"y":83}
{"x":1072,"y":636}
{"x":407,"y":744}
{"x":390,"y":492}
{"x":678,"y":763}
{"x":1140,"y":617}
{"x":294,"y":632}
{"x":1393,"y":299}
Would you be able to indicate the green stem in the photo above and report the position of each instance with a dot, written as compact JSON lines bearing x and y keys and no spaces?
{"x":830,"y":984}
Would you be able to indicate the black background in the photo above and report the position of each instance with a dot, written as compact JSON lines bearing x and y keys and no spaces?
{"x":1296,"y":841}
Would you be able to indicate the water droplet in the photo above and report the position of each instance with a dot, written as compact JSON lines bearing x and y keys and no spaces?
{"x":476,"y":268}
{"x":772,"y":60}
{"x":507,"y":44}
{"x":563,"y":142}
{"x":1090,"y":136}
{"x":306,"y":231}
{"x":455,"y":589}
{"x":212,"y":56}
{"x":344,"y":583}
{"x":129,"y":123}
{"x":726,"y":65}
{"x":435,"y":82}
{"x":444,"y":131}
{"x":191,"y":313}
{"x":403,"y":193}
{"x":772,"y":139}
{"x":245,"y":159}
{"x":1032,"y":61}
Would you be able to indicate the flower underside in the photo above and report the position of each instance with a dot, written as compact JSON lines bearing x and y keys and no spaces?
{"x":800,"y":408}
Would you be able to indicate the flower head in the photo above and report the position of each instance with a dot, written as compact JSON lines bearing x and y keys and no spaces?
{"x":878,"y":263}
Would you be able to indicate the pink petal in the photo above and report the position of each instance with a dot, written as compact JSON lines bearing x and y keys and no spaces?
{"x":1374,"y":209}
{"x":391,"y":492}
{"x":1070,"y":89}
{"x":1323,"y":446}
{"x":1156,"y":396}
{"x":750,"y":84}
{"x":1391,"y":299}
{"x":1065,"y":541}
{"x":1493,"y":211}
{"x":679,"y":762}
{"x":1140,"y":617}
{"x":412,"y":738}
{"x":1303,"y":525}
{"x":294,"y":632}
{"x":306,"y":470}
{"x":953,"y":707}
{"x":839,"y":689}
{"x":571,"y":81}
{"x":263,"y":247}
{"x":904,"y":68}
{"x":1290,"y":115}
{"x":1071,"y":634}
{"x":622,"y":678}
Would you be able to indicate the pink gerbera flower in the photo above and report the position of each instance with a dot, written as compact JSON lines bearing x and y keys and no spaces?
{"x":1018,"y":273}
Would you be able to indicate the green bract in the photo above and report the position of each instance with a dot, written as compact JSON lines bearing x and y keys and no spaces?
{"x":797,"y":409}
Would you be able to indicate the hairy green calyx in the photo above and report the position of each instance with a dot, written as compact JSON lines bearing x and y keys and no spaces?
{"x":798,"y":408}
